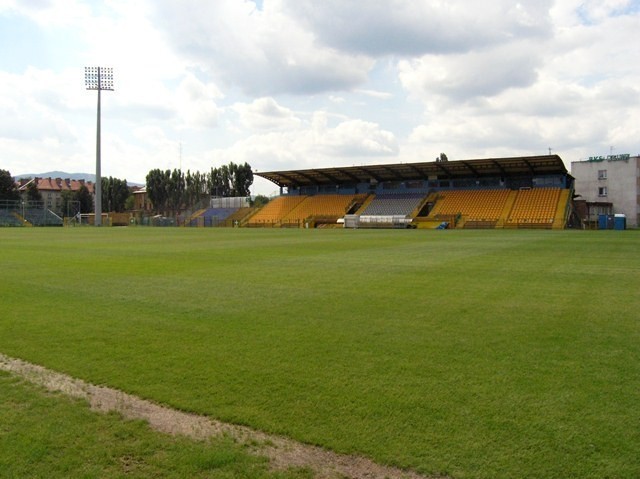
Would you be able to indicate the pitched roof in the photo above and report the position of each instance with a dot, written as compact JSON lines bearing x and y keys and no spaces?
{"x":58,"y":184}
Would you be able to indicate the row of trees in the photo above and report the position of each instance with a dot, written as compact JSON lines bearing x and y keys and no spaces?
{"x":115,"y":195}
{"x":167,"y":190}
{"x":174,"y":190}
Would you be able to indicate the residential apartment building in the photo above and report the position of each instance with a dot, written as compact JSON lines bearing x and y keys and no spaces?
{"x":51,"y":190}
{"x":611,"y":179}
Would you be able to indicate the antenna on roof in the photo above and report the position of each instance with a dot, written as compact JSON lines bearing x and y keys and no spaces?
{"x":549,"y":151}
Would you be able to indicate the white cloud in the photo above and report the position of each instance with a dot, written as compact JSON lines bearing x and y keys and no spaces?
{"x":266,"y":114}
{"x":380,"y":95}
{"x":36,"y":107}
{"x":196,"y":103}
{"x":49,"y":13}
{"x":471,"y":75}
{"x":406,"y":27}
{"x":574,"y":92}
{"x":314,"y":144}
{"x":356,"y":138}
{"x":264,"y":52}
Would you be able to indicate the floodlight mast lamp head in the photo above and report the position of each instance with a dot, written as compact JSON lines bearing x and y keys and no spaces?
{"x":98,"y":78}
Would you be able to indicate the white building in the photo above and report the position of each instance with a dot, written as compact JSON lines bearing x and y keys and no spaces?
{"x":614,"y":179}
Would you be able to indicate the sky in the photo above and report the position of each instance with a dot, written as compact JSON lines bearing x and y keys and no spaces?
{"x":300,"y":84}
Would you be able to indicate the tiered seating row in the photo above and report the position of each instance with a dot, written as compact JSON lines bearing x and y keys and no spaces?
{"x":295,"y":209}
{"x":40,"y":217}
{"x":217,"y":214}
{"x":33,"y":217}
{"x":212,"y":217}
{"x":476,"y":208}
{"x":321,"y":205}
{"x":475,"y":205}
{"x":275,"y":210}
{"x":8,"y":218}
{"x":393,"y":204}
{"x":537,"y":205}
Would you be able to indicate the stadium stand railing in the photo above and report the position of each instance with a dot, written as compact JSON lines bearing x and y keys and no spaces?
{"x":564,"y":209}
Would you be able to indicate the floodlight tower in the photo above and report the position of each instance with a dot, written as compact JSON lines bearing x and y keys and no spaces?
{"x":98,"y":78}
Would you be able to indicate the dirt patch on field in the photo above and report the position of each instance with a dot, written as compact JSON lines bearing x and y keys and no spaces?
{"x":283,"y":453}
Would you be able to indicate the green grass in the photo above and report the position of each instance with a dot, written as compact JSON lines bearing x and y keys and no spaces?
{"x":45,"y":435}
{"x":477,"y":354}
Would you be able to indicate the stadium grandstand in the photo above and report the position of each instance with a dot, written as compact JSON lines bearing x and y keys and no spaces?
{"x":514,"y":192}
{"x":27,"y":213}
{"x":220,"y":212}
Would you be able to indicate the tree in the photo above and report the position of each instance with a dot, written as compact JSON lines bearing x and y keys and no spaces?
{"x":260,"y":200}
{"x":33,"y":194}
{"x":85,"y":199}
{"x":174,"y":190}
{"x":157,"y":188}
{"x":230,"y":180}
{"x":216,"y":182}
{"x":196,"y":188}
{"x":442,"y":157}
{"x":166,"y":190}
{"x":8,"y":187}
{"x":114,"y":194}
{"x":68,"y":198}
{"x":242,"y":179}
{"x":130,"y":203}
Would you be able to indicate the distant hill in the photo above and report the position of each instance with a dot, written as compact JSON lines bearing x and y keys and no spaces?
{"x":59,"y":174}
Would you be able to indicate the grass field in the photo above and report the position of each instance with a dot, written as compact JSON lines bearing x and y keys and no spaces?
{"x":49,"y":436}
{"x":476,"y":354}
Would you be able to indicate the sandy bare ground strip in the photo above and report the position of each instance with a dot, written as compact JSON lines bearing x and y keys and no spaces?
{"x":283,"y":453}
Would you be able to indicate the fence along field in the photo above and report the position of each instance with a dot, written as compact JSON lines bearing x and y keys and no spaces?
{"x":466,"y":353}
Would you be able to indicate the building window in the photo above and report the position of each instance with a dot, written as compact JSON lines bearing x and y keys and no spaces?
{"x":602,"y":174}
{"x":602,"y":191}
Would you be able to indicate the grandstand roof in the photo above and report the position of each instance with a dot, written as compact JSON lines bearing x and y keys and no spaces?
{"x":475,"y":168}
